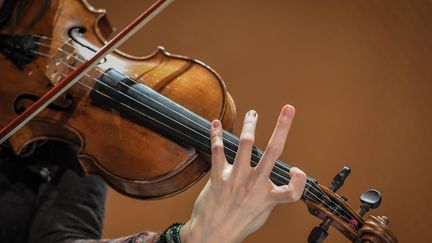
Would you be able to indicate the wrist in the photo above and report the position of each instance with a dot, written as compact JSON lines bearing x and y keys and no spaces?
{"x":192,"y":233}
{"x":187,"y":235}
{"x":171,"y":234}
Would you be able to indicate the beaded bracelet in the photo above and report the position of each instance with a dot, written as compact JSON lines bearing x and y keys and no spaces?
{"x":172,"y":234}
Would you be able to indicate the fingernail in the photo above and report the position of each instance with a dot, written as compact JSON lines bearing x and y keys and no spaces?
{"x":216,"y":124}
{"x":289,"y":111}
{"x":252,"y":113}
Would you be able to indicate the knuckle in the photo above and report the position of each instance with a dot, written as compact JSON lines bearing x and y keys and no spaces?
{"x":245,"y":192}
{"x":299,"y":174}
{"x":297,"y":195}
{"x":249,"y":187}
{"x":247,"y":140}
{"x":302,"y":175}
{"x":296,"y":171}
{"x":215,"y":135}
{"x":214,"y":132}
{"x":216,"y":179}
{"x":216,"y":147}
{"x":249,"y":123}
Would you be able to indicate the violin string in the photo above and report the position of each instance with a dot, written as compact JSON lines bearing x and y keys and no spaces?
{"x":278,"y":164}
{"x":232,"y":151}
{"x":69,"y":53}
{"x":133,"y":80}
{"x":306,"y":189}
{"x":188,"y":119}
{"x":192,"y":130}
{"x":229,"y":134}
{"x":85,"y":85}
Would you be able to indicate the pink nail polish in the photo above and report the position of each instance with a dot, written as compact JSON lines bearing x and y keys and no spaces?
{"x":216,"y":124}
{"x":289,"y":111}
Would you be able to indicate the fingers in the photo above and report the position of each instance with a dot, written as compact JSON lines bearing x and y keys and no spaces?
{"x":217,"y":157}
{"x":277,"y":141}
{"x":244,"y":151}
{"x":294,"y":190}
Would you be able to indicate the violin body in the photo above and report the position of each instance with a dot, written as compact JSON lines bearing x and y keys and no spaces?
{"x":133,"y":159}
{"x":142,"y":123}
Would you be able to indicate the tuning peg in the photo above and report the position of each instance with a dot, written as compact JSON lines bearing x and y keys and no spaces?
{"x":339,"y":179}
{"x":370,"y":199}
{"x":318,"y":234}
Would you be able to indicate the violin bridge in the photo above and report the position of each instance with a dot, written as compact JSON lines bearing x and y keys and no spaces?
{"x":62,"y":63}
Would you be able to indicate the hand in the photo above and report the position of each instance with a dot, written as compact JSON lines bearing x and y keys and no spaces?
{"x":238,"y":198}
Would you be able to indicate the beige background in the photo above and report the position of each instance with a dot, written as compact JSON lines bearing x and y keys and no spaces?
{"x":359,"y":74}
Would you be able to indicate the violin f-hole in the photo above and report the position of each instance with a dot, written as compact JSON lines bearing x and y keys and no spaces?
{"x":21,"y":100}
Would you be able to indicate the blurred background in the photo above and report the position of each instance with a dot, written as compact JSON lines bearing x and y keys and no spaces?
{"x":359,"y":74}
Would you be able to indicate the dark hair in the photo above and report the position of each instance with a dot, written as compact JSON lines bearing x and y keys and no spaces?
{"x":12,"y":11}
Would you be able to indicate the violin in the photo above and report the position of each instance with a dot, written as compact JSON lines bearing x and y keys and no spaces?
{"x":141,"y":123}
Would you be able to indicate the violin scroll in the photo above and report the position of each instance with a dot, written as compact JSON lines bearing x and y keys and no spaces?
{"x":335,"y":211}
{"x":376,"y":230}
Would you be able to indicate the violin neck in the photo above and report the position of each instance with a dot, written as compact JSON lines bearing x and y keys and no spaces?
{"x":142,"y":105}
